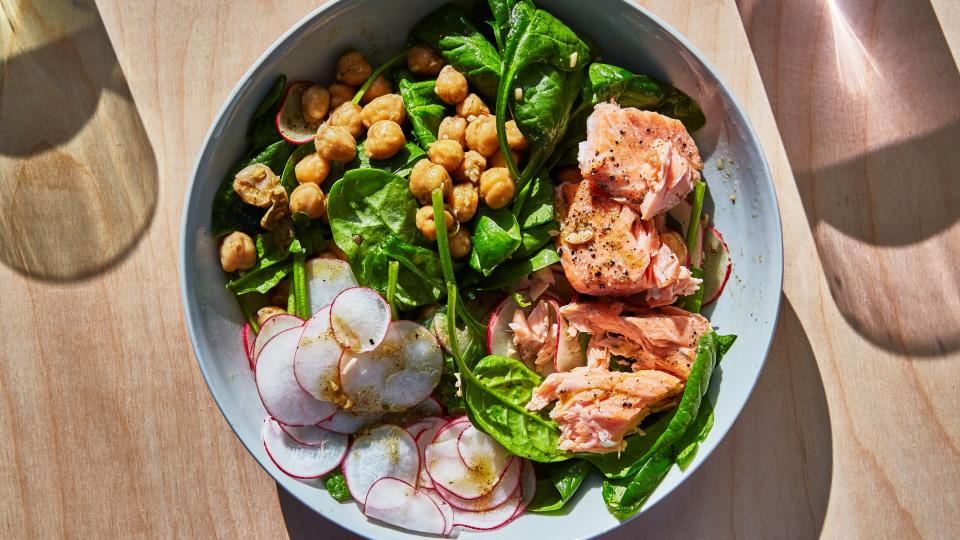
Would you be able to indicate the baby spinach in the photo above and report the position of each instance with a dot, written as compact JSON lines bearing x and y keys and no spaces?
{"x":424,"y":108}
{"x":400,"y":164}
{"x":496,"y":235}
{"x":446,"y":391}
{"x":509,"y":273}
{"x":531,"y":240}
{"x":556,"y":484}
{"x":501,"y":19}
{"x":540,"y":207}
{"x":260,"y":280}
{"x":693,"y":302}
{"x":336,"y":485}
{"x":375,"y":74}
{"x":288,"y":178}
{"x":372,"y":218}
{"x":263,"y":130}
{"x":704,"y":423}
{"x":451,"y":33}
{"x":229,"y":213}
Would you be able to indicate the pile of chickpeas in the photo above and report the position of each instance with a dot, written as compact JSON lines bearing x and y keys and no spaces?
{"x":465,"y":161}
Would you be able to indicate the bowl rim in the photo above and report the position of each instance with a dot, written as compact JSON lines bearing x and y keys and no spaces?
{"x":275,"y":49}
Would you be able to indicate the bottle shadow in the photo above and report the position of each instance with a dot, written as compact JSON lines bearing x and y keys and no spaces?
{"x":867,"y":99}
{"x":771,"y":475}
{"x":78,"y":175}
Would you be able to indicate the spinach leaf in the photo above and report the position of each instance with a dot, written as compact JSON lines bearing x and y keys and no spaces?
{"x":446,"y":390}
{"x":605,"y":81}
{"x":496,"y":235}
{"x":262,"y":131}
{"x":697,"y":433}
{"x":309,"y":234}
{"x":288,"y":178}
{"x":450,"y":32}
{"x":372,"y":218}
{"x":540,"y":207}
{"x":400,"y":164}
{"x":260,"y":280}
{"x":629,"y":461}
{"x":531,"y":240}
{"x":496,"y":393}
{"x":694,"y":302}
{"x":229,"y":213}
{"x":556,"y":484}
{"x":336,"y":485}
{"x":501,"y":19}
{"x":424,"y":108}
{"x":513,"y":271}
{"x":624,"y":497}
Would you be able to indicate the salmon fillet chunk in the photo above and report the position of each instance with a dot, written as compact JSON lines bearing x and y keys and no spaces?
{"x":597,"y":408}
{"x":606,"y":249}
{"x":641,"y":158}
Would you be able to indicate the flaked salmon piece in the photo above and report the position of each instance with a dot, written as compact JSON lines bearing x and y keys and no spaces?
{"x":597,"y":408}
{"x":664,"y":338}
{"x":535,"y":337}
{"x":639,"y":157}
{"x":607,"y":249}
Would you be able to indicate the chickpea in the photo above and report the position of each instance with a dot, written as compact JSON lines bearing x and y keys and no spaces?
{"x":498,"y":159}
{"x":353,"y":69}
{"x":312,"y":168}
{"x":426,"y":177}
{"x":254,"y":183}
{"x":339,"y":94}
{"x":335,"y":143}
{"x":471,"y":167}
{"x":379,"y":87}
{"x":515,"y":139}
{"x":309,"y":199}
{"x":315,"y":104}
{"x":446,"y":153}
{"x":384,"y":139}
{"x":676,"y":244}
{"x":482,"y":135}
{"x":237,"y":252}
{"x":497,"y":187}
{"x":568,"y":174}
{"x":471,"y":107}
{"x":424,"y":61}
{"x":428,"y":226}
{"x":464,"y":201}
{"x":453,"y":128}
{"x":451,"y":85}
{"x":388,"y":107}
{"x":460,"y":244}
{"x":266,"y":312}
{"x":349,"y":116}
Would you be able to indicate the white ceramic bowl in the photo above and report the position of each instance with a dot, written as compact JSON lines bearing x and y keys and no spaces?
{"x":628,"y":36}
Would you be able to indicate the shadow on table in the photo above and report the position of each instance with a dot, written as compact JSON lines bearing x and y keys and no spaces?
{"x":770,"y":477}
{"x":78,"y":176}
{"x":866,"y":95}
{"x":302,"y":523}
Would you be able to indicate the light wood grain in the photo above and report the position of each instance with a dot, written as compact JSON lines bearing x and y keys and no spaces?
{"x":110,"y":431}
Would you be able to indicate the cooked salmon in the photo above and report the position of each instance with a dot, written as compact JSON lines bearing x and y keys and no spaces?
{"x":597,"y":408}
{"x":664,"y":338}
{"x":641,"y":158}
{"x":607,"y":249}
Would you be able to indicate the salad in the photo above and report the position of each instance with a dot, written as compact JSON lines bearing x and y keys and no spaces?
{"x":473,"y":275}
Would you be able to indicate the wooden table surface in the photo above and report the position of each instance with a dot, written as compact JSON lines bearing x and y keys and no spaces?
{"x":108,"y":429}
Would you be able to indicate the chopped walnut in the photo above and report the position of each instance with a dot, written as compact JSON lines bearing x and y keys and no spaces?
{"x":255,"y":183}
{"x":279,"y":208}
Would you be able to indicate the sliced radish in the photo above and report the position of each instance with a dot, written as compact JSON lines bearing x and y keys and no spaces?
{"x":469,"y":467}
{"x":317,"y":360}
{"x":326,"y":278}
{"x":281,"y":395}
{"x":426,"y":431}
{"x":289,"y":121}
{"x":398,"y":375}
{"x":308,"y":435}
{"x":695,"y":257}
{"x":384,"y":451}
{"x":681,"y":213}
{"x":569,"y":354}
{"x":360,"y":317}
{"x":528,"y":486}
{"x":501,"y":492}
{"x":349,"y":422}
{"x":717,"y":266}
{"x":439,"y":327}
{"x":271,"y":327}
{"x":444,"y":507}
{"x":452,"y":430}
{"x":248,"y":336}
{"x":398,"y":503}
{"x":499,"y":335}
{"x":491,"y":519}
{"x":301,"y":460}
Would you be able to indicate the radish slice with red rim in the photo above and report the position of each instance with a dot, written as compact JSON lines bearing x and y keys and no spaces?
{"x":398,"y":375}
{"x":248,"y":337}
{"x":716,"y":266}
{"x":499,"y":335}
{"x":569,"y":355}
{"x":270,"y":328}
{"x":398,"y":503}
{"x":491,"y":519}
{"x":444,"y":507}
{"x":449,"y":469}
{"x":384,"y":451}
{"x":317,"y":360}
{"x":300,"y":460}
{"x":308,"y":435}
{"x":501,"y":492}
{"x":326,"y":278}
{"x":289,"y":120}
{"x":426,"y":431}
{"x":480,"y":451}
{"x":528,"y":486}
{"x":277,"y":385}
{"x":349,"y":422}
{"x":360,"y":317}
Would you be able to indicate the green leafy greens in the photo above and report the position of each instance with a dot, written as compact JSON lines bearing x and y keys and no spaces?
{"x":451,"y":33}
